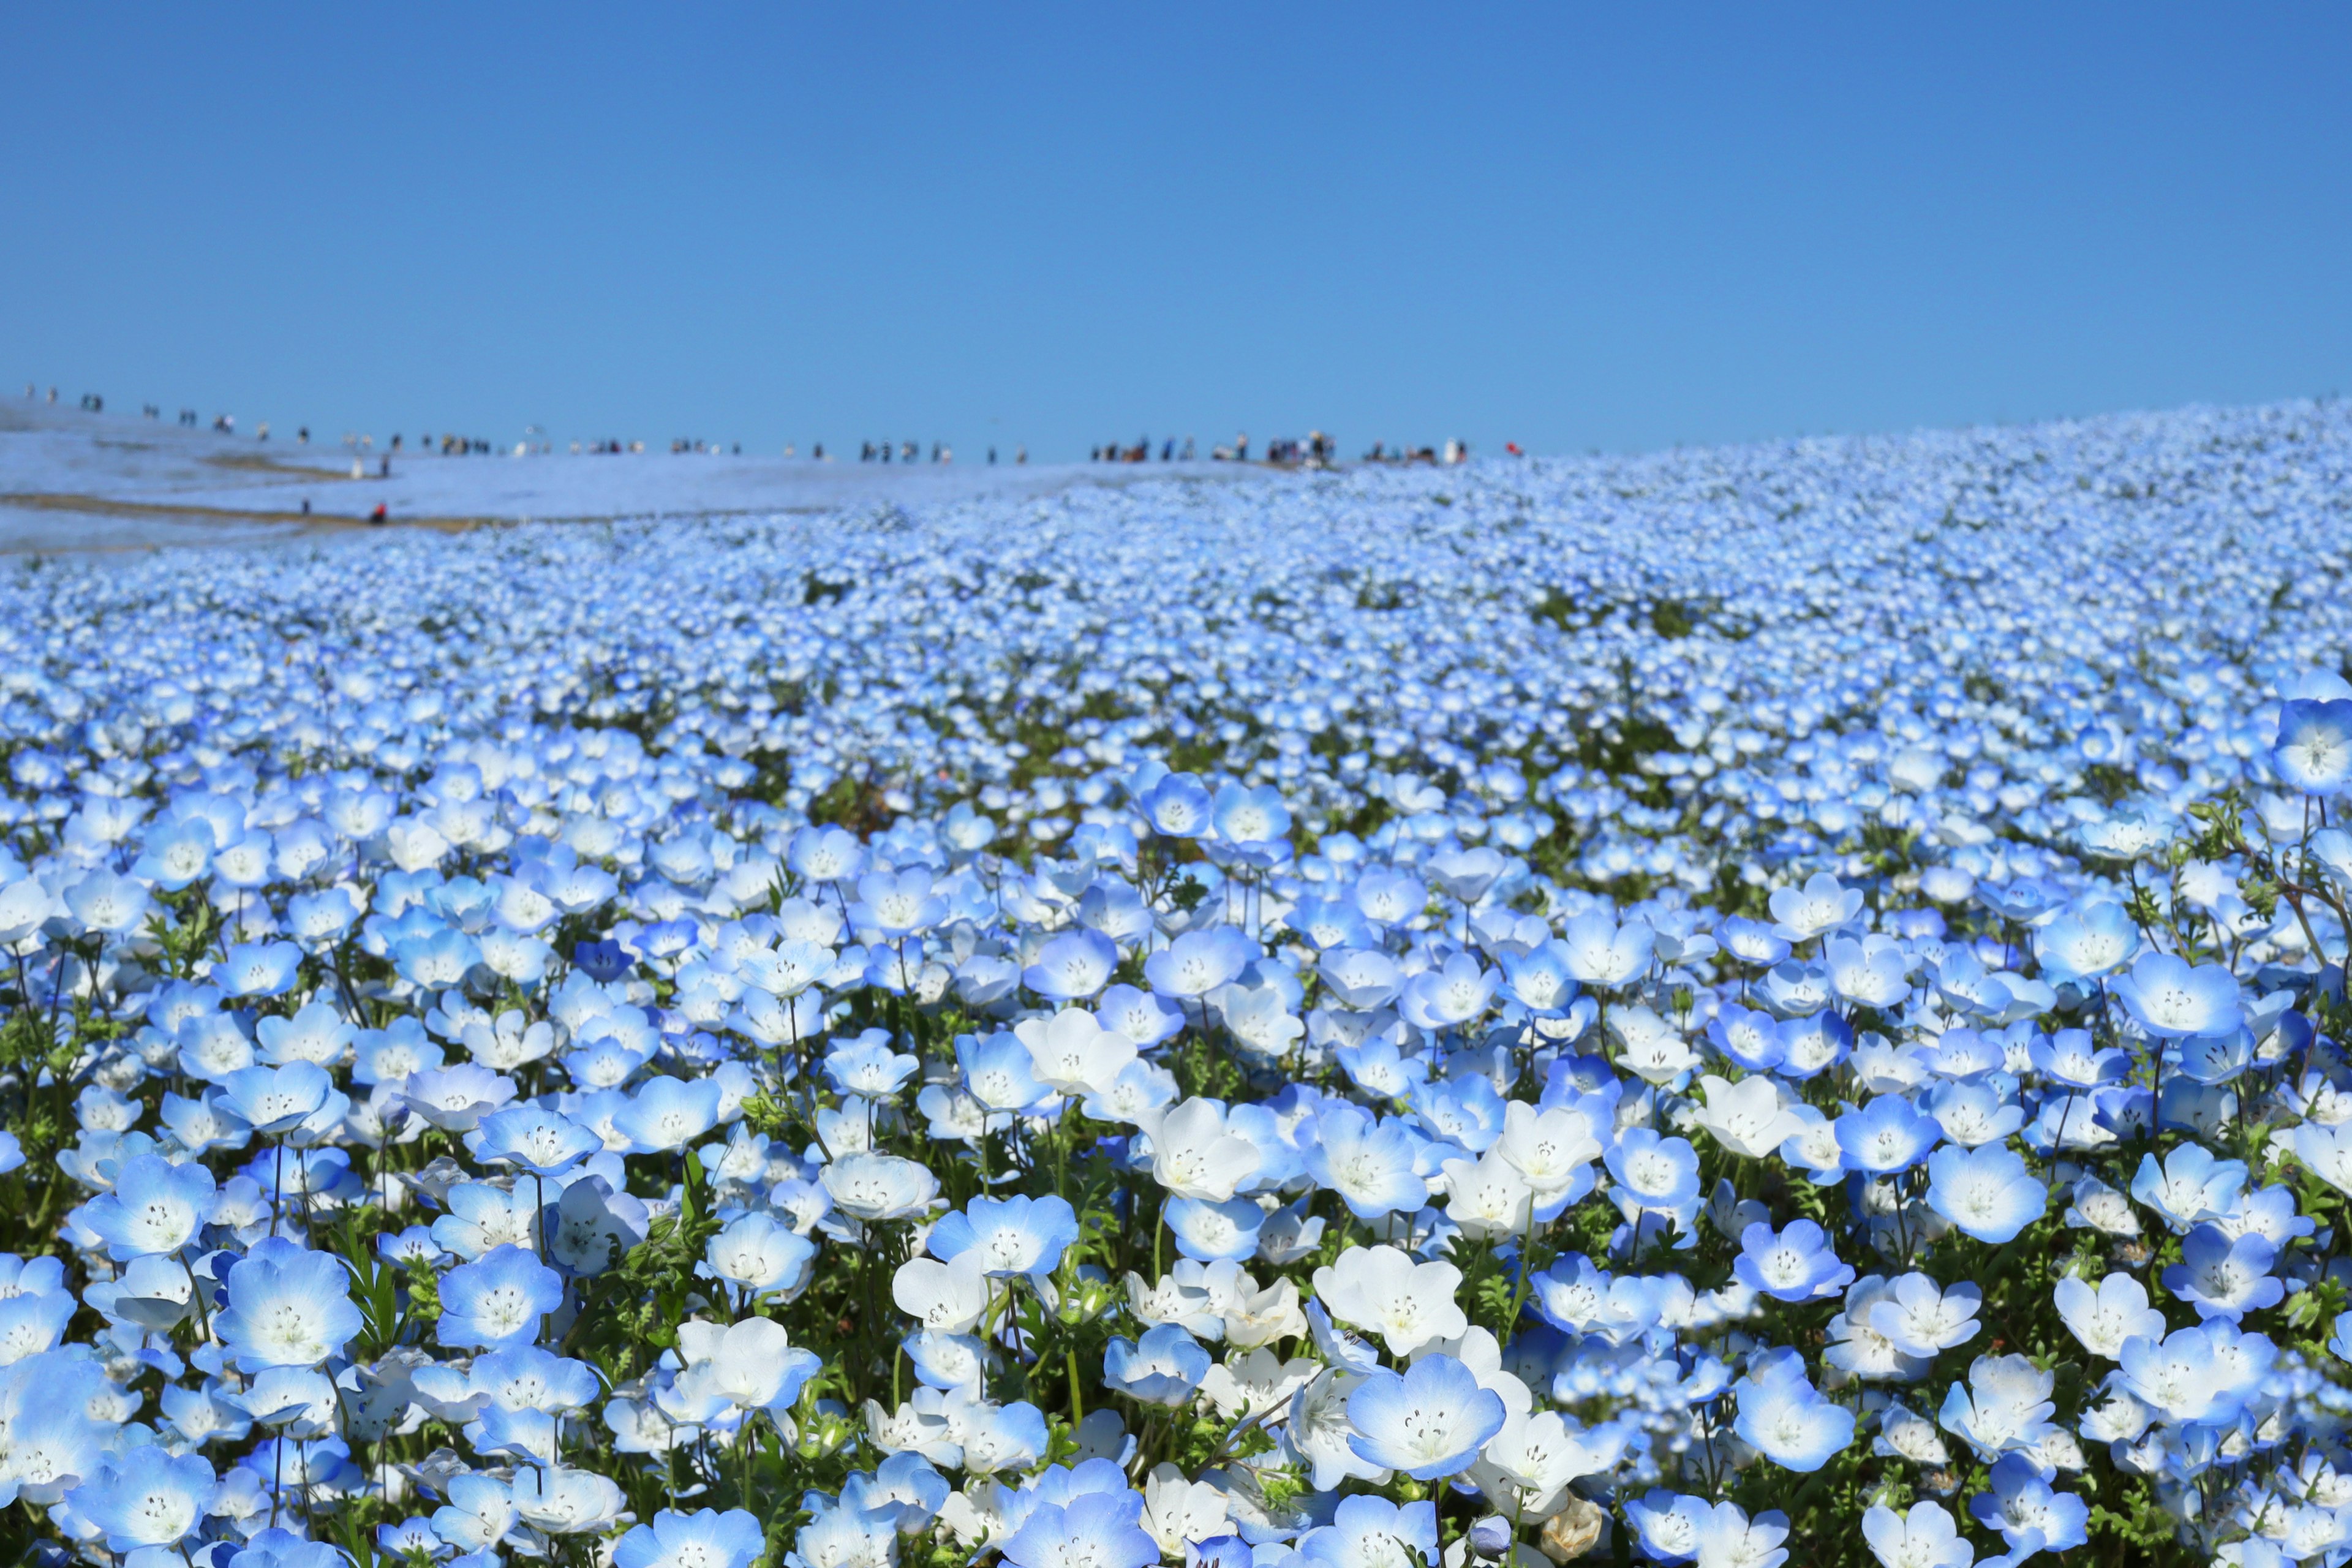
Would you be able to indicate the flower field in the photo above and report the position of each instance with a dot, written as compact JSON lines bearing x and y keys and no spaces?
{"x":1776,"y":1004}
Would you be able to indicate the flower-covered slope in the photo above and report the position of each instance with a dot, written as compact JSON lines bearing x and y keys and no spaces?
{"x":1700,"y":1008}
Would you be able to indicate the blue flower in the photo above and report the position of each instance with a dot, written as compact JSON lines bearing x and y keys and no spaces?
{"x":2024,"y":1509}
{"x":1013,"y":1235}
{"x":1072,"y":966}
{"x":1372,"y":1532}
{"x":1783,"y":1418}
{"x":2225,"y":1278}
{"x":2192,"y":1187}
{"x":155,"y":1209}
{"x":1986,"y":1191}
{"x":2314,"y":751}
{"x":258,"y":969}
{"x":1428,"y":1422}
{"x":706,"y":1539}
{"x":1372,"y":1166}
{"x":1654,"y":1173}
{"x":1177,"y":806}
{"x":2172,"y":1001}
{"x":287,"y":1306}
{"x":1164,"y":1367}
{"x":277,"y":1101}
{"x":146,"y":1497}
{"x":538,"y":1140}
{"x":668,"y":1113}
{"x":1092,"y":1529}
{"x":1887,"y":1135}
{"x":1225,"y":1232}
{"x":496,"y":1303}
{"x":1797,"y":1265}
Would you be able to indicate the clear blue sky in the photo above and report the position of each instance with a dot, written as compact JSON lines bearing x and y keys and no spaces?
{"x":1576,"y":227}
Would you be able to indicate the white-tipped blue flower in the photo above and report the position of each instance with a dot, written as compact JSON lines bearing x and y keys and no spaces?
{"x":1920,"y":1318}
{"x":752,"y":1364}
{"x":1430,"y":1423}
{"x":2104,"y":1316}
{"x":258,"y":969}
{"x":1093,"y":1529}
{"x":1888,"y":1135}
{"x":874,"y":1188}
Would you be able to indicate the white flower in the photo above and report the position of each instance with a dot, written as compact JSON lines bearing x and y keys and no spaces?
{"x":1193,"y":1156}
{"x":1384,"y":1292}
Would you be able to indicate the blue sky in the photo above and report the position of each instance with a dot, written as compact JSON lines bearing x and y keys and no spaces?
{"x":1573,"y":227}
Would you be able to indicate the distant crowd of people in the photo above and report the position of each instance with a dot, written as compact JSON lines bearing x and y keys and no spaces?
{"x":1317,"y":450}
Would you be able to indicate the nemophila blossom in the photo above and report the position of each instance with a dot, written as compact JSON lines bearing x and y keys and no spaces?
{"x":1600,"y":952}
{"x":874,"y":1188}
{"x":1071,"y":1053}
{"x":277,"y":1101}
{"x":1198,"y":962}
{"x":146,"y":1497}
{"x":534,"y":1140}
{"x":2192,"y":1187}
{"x":1785,"y":1418}
{"x":1072,"y":966}
{"x":2005,"y":1406}
{"x":1163,"y":1367}
{"x":1920,"y":1318}
{"x":1372,"y":1532}
{"x":1654,"y":1173}
{"x":759,"y":1256}
{"x":667,"y":1113}
{"x":286,"y":1306}
{"x":1888,"y":1135}
{"x":1922,"y":1536}
{"x":1430,"y":1423}
{"x":2029,"y":1515}
{"x":2313,"y":750}
{"x":456,"y":1098}
{"x":1384,"y":1292}
{"x":753,"y":1362}
{"x":1019,"y":1235}
{"x":154,"y":1210}
{"x":1796,"y":1265}
{"x":497,"y":1302}
{"x":1986,"y":1191}
{"x":2172,"y":1000}
{"x":706,"y":1539}
{"x":2224,"y":1277}
{"x":1194,"y":1155}
{"x":1210,"y":1232}
{"x":2104,"y":1316}
{"x":257,"y":968}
